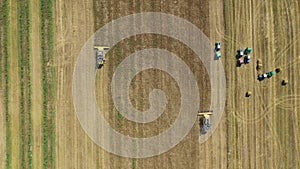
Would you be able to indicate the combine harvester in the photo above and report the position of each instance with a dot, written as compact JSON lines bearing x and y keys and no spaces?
{"x":217,"y":50}
{"x":204,"y":120}
{"x":100,"y":55}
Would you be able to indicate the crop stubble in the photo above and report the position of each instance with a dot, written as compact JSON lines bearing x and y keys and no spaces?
{"x":145,"y":81}
{"x":253,"y":144}
{"x":257,"y":126}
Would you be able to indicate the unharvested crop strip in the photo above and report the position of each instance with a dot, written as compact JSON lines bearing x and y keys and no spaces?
{"x":6,"y":68}
{"x":22,"y":98}
{"x":1,"y":34}
{"x":134,"y":163}
{"x":29,"y":153}
{"x":52,"y":83}
{"x":45,"y":91}
{"x":25,"y":85}
{"x":118,"y":54}
{"x":48,"y":82}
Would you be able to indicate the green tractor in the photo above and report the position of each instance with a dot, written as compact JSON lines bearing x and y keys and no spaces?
{"x":247,"y":51}
{"x":270,"y":74}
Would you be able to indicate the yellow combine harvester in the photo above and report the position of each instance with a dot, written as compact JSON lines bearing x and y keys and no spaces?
{"x":204,"y":120}
{"x":100,"y":55}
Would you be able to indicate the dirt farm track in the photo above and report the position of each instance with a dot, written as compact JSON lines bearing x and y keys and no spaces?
{"x":39,"y":46}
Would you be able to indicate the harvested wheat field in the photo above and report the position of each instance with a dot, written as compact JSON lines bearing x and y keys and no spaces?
{"x":45,"y":83}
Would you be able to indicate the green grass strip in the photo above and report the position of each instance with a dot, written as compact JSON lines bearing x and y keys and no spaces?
{"x":1,"y":20}
{"x":118,"y":54}
{"x":52,"y":83}
{"x":6,"y":67}
{"x":45,"y":86}
{"x":30,"y":135}
{"x":134,"y":159}
{"x":134,"y":163}
{"x":120,"y":118}
{"x":48,"y":131}
{"x":22,"y":84}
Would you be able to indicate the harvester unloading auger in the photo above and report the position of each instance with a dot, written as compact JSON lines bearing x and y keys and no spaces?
{"x":204,"y":120}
